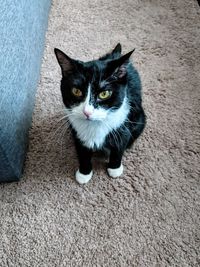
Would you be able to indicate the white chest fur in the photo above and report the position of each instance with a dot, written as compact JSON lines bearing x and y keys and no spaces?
{"x":93,"y":132}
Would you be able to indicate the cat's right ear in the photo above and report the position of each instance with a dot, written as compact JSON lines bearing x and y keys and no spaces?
{"x":66,"y":63}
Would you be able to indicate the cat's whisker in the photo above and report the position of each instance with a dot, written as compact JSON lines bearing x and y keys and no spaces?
{"x":132,"y":109}
{"x":58,"y":134}
{"x":134,"y":122}
{"x":127,"y":129}
{"x":61,"y":137}
{"x":52,"y":135}
{"x":61,"y":110}
{"x":61,"y":119}
{"x":114,"y":133}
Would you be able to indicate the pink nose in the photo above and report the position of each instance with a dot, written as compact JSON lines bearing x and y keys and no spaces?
{"x":87,"y":113}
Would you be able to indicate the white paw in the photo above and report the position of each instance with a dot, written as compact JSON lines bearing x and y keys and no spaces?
{"x":114,"y":173}
{"x":83,"y":178}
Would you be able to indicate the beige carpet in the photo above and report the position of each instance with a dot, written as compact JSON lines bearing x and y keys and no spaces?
{"x":148,"y":217}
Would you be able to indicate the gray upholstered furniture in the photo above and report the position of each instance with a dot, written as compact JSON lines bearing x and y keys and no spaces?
{"x":22,"y":31}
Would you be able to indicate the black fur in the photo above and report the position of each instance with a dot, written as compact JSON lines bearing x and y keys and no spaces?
{"x":123,"y":79}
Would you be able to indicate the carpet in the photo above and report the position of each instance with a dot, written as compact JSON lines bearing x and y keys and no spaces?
{"x":150,"y":215}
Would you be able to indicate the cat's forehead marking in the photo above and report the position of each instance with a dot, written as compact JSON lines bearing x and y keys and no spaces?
{"x":87,"y":100}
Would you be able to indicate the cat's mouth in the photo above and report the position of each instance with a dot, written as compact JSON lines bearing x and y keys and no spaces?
{"x":90,"y":119}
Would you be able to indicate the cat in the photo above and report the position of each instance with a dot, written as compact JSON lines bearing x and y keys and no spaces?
{"x":103,"y":106}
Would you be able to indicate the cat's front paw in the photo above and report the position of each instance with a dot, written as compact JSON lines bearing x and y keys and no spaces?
{"x":114,"y":173}
{"x":83,"y":178}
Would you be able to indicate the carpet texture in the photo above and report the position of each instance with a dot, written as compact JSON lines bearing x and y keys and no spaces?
{"x":149,"y":216}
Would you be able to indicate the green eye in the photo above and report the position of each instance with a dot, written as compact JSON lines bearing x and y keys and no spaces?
{"x":104,"y":95}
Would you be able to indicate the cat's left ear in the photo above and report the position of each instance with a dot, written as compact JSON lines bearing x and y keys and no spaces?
{"x":117,"y":50}
{"x":118,"y":67}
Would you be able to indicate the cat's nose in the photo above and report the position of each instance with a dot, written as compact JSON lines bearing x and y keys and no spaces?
{"x":87,"y":113}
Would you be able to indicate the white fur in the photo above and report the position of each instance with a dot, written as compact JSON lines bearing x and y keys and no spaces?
{"x":83,"y":178}
{"x":86,"y":105}
{"x":94,"y":131}
{"x":114,"y":173}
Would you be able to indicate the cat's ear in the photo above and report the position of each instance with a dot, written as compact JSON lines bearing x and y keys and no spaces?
{"x":118,"y":67}
{"x":117,"y":50}
{"x":66,"y":63}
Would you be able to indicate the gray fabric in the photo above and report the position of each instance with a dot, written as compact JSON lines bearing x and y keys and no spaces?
{"x":22,"y":30}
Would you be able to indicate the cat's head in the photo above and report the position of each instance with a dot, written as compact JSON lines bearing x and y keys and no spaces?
{"x":91,"y":90}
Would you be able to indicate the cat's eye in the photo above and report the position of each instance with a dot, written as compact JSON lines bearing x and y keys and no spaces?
{"x":104,"y":95}
{"x":76,"y":92}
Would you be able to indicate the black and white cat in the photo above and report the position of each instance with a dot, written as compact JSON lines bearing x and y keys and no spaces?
{"x":104,"y":107}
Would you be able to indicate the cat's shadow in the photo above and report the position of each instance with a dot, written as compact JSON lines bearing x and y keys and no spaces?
{"x":51,"y":151}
